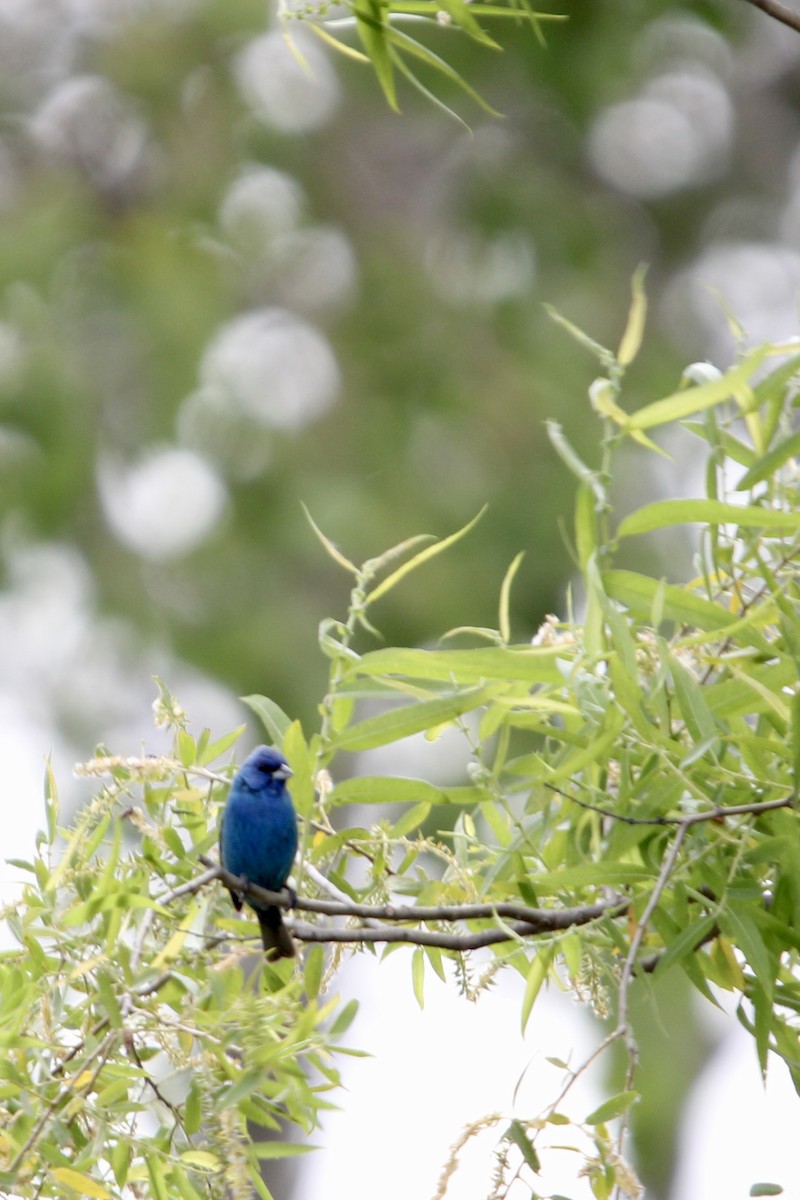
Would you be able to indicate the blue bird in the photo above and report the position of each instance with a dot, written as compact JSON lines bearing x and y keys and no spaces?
{"x":258,"y":839}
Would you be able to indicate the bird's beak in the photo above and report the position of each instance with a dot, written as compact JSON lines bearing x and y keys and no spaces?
{"x":283,"y":772}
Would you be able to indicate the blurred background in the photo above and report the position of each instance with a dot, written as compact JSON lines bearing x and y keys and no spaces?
{"x":232,"y":281}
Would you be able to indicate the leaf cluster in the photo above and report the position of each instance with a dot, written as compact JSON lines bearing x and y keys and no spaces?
{"x":634,"y":767}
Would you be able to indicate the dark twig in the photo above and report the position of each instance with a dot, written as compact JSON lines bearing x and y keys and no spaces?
{"x":718,"y":813}
{"x":778,"y":12}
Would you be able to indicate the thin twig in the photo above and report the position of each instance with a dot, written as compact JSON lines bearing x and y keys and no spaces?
{"x":718,"y":813}
{"x":778,"y":12}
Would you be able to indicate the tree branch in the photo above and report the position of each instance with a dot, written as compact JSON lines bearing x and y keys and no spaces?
{"x":778,"y":12}
{"x":525,"y":921}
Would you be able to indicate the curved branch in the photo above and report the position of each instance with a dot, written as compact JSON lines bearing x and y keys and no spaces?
{"x":561,"y":919}
{"x":528,"y":920}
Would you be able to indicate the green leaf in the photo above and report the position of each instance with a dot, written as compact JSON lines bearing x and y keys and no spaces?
{"x":766,"y":466}
{"x":216,"y":749}
{"x":268,"y":1150}
{"x":533,"y":664}
{"x":387,"y":789}
{"x":76,"y":1181}
{"x":313,"y":970}
{"x":271,"y":716}
{"x":590,"y":479}
{"x":333,"y":550}
{"x":505,"y":598}
{"x":418,"y":975}
{"x":605,"y":356}
{"x":424,"y":556}
{"x":614,"y":1107}
{"x":632,"y":337}
{"x":696,"y":713}
{"x":642,"y":594}
{"x":301,"y":758}
{"x":766,"y":1189}
{"x":686,"y":942}
{"x":517,"y":1134}
{"x":344,"y":1019}
{"x":692,"y":400}
{"x":585,"y":526}
{"x":410,"y":820}
{"x":51,"y":806}
{"x":201,"y":1160}
{"x":663,"y":513}
{"x":737,"y":923}
{"x":537,"y":973}
{"x":373,"y":34}
{"x":402,"y":722}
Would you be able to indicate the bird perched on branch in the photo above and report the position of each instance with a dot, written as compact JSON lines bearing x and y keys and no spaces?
{"x":258,"y":839}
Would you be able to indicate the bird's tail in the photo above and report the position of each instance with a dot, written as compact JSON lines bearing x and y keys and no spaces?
{"x":274,"y":934}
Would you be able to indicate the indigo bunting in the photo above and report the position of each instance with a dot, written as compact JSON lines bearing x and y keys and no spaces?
{"x":258,"y":839}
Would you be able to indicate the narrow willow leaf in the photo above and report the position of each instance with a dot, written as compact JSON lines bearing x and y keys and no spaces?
{"x":297,"y":750}
{"x":313,"y":970}
{"x":411,"y":820}
{"x":51,"y":805}
{"x":418,"y":975}
{"x":596,"y":752}
{"x":765,"y":467}
{"x":201,"y":1160}
{"x":534,"y":664}
{"x":402,"y":42}
{"x":214,"y":750}
{"x":385,"y":789}
{"x":464,"y":17}
{"x":605,"y":356}
{"x":76,"y":1181}
{"x":158,"y":1181}
{"x":333,"y":550}
{"x":639,"y":593}
{"x":271,"y":715}
{"x":538,"y":972}
{"x":735,"y":449}
{"x":684,"y":944}
{"x":739,"y":926}
{"x":344,"y":1019}
{"x":663,"y":513}
{"x":338,"y":45}
{"x":692,"y":400}
{"x":696,"y":713}
{"x":399,"y":723}
{"x":517,"y":1134}
{"x":420,"y":87}
{"x":585,"y":525}
{"x":373,"y":34}
{"x":264,"y":1150}
{"x":572,"y":460}
{"x":632,"y":337}
{"x":749,"y":693}
{"x":424,"y":556}
{"x":505,"y":598}
{"x":615,"y":1106}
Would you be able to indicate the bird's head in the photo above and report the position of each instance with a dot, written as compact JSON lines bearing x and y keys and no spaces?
{"x":263,"y":766}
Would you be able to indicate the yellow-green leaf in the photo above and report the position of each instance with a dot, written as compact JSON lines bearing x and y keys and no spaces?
{"x":84,"y":1185}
